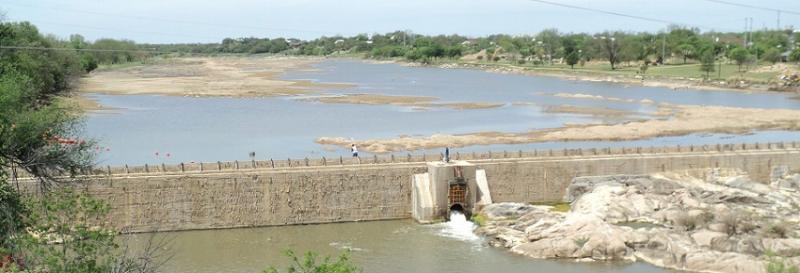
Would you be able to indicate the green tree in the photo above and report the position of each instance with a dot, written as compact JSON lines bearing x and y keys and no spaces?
{"x":772,"y":55}
{"x":608,"y":46}
{"x":310,"y":263}
{"x":707,"y":60}
{"x":39,"y":136}
{"x":572,"y":59}
{"x":795,"y":55}
{"x":687,"y":51}
{"x":88,"y":63}
{"x":740,"y":56}
{"x":571,"y":54}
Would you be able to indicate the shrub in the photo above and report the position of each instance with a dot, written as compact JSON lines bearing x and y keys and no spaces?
{"x":309,"y":263}
{"x":687,"y":221}
{"x":737,"y":223}
{"x":581,"y":241}
{"x":779,"y":230}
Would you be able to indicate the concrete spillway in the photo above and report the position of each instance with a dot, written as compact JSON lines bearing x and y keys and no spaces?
{"x":447,"y":187}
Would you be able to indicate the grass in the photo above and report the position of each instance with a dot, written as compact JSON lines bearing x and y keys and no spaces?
{"x":777,"y":265}
{"x":478,"y":219}
{"x":556,"y":206}
{"x":670,"y":71}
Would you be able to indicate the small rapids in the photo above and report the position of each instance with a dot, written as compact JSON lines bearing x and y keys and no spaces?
{"x":458,"y":228}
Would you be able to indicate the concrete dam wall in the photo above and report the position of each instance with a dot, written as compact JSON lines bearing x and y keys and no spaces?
{"x":250,"y":193}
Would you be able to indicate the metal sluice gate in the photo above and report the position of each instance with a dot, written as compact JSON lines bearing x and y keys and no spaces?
{"x":457,"y":193}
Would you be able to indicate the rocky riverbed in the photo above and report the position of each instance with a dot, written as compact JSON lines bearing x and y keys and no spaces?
{"x":709,"y":220}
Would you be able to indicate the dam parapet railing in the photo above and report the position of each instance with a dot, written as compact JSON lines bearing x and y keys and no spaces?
{"x":408,"y":158}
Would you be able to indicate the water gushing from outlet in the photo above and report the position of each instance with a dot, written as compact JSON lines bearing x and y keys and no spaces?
{"x":459,"y":227}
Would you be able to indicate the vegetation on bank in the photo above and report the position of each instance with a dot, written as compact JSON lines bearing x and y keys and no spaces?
{"x":626,"y":51}
{"x":311,"y":262}
{"x":50,"y":225}
{"x":676,"y":53}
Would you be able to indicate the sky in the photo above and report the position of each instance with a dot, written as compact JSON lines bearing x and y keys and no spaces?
{"x":190,"y":21}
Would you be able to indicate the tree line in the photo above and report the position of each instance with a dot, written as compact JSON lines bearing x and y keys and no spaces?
{"x":617,"y":48}
{"x":677,"y":45}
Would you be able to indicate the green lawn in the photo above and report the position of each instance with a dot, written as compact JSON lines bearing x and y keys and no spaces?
{"x":677,"y":71}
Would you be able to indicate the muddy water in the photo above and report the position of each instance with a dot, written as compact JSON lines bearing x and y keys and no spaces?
{"x":219,"y":129}
{"x":382,"y":246}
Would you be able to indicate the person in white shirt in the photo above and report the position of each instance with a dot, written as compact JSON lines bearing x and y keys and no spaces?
{"x":354,"y":150}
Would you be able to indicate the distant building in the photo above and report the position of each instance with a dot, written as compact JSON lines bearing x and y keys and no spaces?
{"x":294,"y":43}
{"x":785,"y":56}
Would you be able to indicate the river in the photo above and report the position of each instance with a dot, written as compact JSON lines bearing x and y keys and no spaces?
{"x":399,"y":246}
{"x":168,"y":129}
{"x":153,"y":129}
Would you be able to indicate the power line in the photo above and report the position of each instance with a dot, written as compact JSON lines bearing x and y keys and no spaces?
{"x":137,"y":17}
{"x":125,"y":30}
{"x":80,"y":49}
{"x":649,"y":19}
{"x":753,"y":7}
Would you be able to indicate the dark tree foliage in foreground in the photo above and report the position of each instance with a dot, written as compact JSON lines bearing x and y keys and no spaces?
{"x":47,"y":225}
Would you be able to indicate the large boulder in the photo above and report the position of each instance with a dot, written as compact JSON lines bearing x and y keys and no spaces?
{"x":704,"y":237}
{"x":706,"y":220}
{"x":578,"y":236}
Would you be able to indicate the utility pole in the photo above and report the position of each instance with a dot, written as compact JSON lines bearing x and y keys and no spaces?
{"x":779,"y":20}
{"x":745,"y":33}
{"x":664,"y":48}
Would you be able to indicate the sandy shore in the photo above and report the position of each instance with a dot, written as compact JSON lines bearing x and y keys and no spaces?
{"x":677,"y":120}
{"x":592,"y":111}
{"x":418,"y":102}
{"x":246,"y":76}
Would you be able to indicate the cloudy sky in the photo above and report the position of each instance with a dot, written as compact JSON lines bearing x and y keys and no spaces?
{"x":169,"y":21}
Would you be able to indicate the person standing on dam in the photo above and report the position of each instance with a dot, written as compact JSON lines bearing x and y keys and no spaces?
{"x":354,"y":150}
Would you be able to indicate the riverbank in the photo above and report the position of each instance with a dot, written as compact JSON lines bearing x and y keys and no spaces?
{"x":703,"y":220}
{"x":676,"y":77}
{"x":669,"y":120}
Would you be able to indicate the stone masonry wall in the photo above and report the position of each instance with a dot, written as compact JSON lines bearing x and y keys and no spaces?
{"x":262,"y":198}
{"x":227,"y":198}
{"x":546,"y":180}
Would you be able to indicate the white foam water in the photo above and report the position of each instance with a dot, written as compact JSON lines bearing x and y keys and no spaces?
{"x":459,"y":228}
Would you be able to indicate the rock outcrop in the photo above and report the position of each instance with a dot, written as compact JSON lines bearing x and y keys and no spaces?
{"x":709,"y":220}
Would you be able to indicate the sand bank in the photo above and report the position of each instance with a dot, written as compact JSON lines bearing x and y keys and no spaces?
{"x":207,"y":76}
{"x":676,"y":120}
